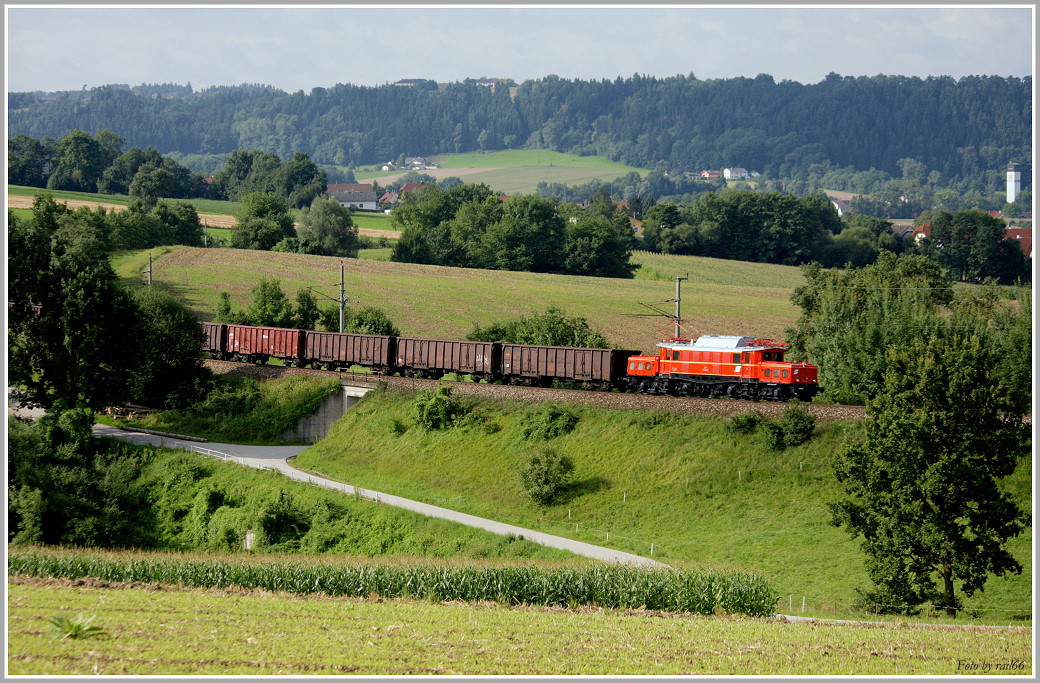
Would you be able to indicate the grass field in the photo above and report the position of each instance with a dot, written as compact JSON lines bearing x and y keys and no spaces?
{"x":721,"y":297}
{"x":515,"y":172}
{"x":167,"y":630}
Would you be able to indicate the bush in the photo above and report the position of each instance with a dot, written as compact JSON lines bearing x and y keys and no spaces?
{"x":746,"y":423}
{"x":435,"y":410}
{"x":545,"y":476}
{"x":547,"y":422}
{"x":795,"y":427}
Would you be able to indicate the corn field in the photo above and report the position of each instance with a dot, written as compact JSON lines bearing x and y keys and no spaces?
{"x":607,"y":586}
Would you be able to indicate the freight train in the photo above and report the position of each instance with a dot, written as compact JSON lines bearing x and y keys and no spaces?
{"x":710,"y":365}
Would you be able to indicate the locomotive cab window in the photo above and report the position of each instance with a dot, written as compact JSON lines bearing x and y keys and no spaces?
{"x":736,"y":358}
{"x":675,"y":355}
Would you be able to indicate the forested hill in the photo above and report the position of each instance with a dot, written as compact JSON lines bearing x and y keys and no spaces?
{"x":960,"y":128}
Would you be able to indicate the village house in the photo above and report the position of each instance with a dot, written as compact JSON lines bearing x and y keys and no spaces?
{"x":736,"y":173}
{"x":353,"y":195}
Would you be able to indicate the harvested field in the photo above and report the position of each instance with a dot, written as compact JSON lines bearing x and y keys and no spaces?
{"x":19,"y":201}
{"x":210,"y":220}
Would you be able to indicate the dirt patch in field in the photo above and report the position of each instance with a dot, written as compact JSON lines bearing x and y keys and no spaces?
{"x":210,"y":220}
{"x":20,"y":201}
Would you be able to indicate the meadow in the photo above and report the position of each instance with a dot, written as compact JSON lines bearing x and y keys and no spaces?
{"x":167,"y":630}
{"x":513,"y":172}
{"x":720,"y":297}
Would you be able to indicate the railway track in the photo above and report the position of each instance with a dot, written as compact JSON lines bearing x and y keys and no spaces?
{"x":603,"y":399}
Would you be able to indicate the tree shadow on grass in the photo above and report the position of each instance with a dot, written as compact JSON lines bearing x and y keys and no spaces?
{"x":576,"y":489}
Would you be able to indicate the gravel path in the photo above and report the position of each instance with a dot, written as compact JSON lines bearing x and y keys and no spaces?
{"x":277,"y":458}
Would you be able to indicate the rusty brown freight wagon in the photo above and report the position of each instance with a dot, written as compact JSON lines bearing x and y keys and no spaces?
{"x":338,"y":351}
{"x":260,"y":344}
{"x":435,"y":357}
{"x":214,"y":340}
{"x":541,"y":365}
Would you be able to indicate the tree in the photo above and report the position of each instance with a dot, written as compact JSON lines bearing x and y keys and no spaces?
{"x":552,"y":328}
{"x":850,"y":317}
{"x":77,"y":350}
{"x":972,"y":245}
{"x":546,"y":476}
{"x":169,"y":371}
{"x":924,"y":485}
{"x":599,"y":245}
{"x":29,"y":161}
{"x":183,"y":222}
{"x":327,"y":229}
{"x":269,"y":306}
{"x":152,"y":182}
{"x":263,"y":221}
{"x":81,"y":160}
{"x":528,"y":237}
{"x":120,"y":173}
{"x":306,"y":314}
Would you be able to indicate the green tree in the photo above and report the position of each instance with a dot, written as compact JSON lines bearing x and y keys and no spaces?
{"x":120,"y":173}
{"x":849,"y":318}
{"x":599,"y":245}
{"x":269,"y":306}
{"x":528,"y":237}
{"x":75,"y":349}
{"x":972,"y":245}
{"x":81,"y":160}
{"x":552,"y":328}
{"x":182,"y":222}
{"x":327,"y":229}
{"x":168,"y":339}
{"x":924,"y":485}
{"x":305,"y":315}
{"x":152,"y":182}
{"x":546,"y":476}
{"x":263,"y":221}
{"x":29,"y":161}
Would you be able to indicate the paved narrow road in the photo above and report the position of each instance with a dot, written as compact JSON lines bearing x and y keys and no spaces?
{"x":277,"y":457}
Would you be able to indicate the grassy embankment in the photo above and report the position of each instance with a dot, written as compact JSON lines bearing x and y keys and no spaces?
{"x":699,"y":494}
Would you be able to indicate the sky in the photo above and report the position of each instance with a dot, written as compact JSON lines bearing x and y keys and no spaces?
{"x":67,"y":47}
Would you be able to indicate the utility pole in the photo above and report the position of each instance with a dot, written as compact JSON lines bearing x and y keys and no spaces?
{"x":678,"y":303}
{"x":149,"y":270}
{"x":342,"y":299}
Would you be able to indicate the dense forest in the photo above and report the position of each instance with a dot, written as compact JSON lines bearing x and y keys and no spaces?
{"x":958,"y":134}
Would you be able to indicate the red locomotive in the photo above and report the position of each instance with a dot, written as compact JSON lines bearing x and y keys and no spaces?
{"x":715,"y":365}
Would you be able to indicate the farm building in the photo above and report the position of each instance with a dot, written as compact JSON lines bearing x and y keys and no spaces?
{"x":355,"y":196}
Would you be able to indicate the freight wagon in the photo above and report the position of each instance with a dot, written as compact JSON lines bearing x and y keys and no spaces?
{"x":339,"y":351}
{"x":432,"y":358}
{"x":542,"y":365}
{"x":260,"y":344}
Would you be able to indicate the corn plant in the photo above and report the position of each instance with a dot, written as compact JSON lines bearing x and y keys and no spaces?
{"x":77,"y":627}
{"x":617,"y":587}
